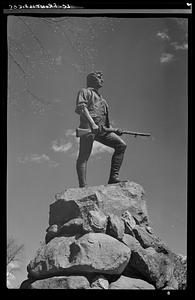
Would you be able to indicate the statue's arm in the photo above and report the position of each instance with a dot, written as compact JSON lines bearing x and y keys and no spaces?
{"x":82,"y":107}
{"x":90,"y":120}
{"x":108,"y":125}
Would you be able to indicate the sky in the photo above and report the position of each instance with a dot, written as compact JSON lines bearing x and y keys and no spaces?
{"x":144,"y":62}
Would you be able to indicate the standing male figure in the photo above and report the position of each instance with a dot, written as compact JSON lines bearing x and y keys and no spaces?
{"x":93,"y":111}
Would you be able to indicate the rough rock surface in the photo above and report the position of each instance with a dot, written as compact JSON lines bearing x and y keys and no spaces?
{"x":100,"y":238}
{"x":61,"y":282}
{"x":100,"y":283}
{"x":155,"y":267}
{"x":112,"y":198}
{"x":128,"y":283}
{"x":147,"y":239}
{"x":129,"y":222}
{"x":115,"y":227}
{"x":97,"y":221}
{"x":92,"y":252}
{"x":94,"y":221}
{"x":180,"y":271}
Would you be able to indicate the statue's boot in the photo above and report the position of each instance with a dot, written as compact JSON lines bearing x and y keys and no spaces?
{"x":116,"y":163}
{"x":81,"y":172}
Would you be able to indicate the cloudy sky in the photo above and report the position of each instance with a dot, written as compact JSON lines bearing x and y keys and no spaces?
{"x":144,"y":62}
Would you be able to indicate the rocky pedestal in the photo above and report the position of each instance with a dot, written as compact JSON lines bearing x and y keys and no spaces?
{"x":100,"y":238}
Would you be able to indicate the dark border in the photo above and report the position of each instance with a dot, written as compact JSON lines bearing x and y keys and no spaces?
{"x":111,"y":6}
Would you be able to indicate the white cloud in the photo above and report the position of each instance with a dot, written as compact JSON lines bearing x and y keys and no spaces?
{"x":163,"y":35}
{"x":100,"y":148}
{"x":173,"y":38}
{"x":58,"y":60}
{"x":69,"y":143}
{"x":61,"y":148}
{"x":177,"y":46}
{"x":72,"y":143}
{"x":37,"y":158}
{"x":166,"y":58}
{"x":34,"y":158}
{"x":70,"y":132}
{"x":53,"y":163}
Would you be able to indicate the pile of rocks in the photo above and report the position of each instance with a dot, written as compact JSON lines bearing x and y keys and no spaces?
{"x":100,"y":238}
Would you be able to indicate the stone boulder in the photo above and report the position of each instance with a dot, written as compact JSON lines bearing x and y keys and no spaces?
{"x":112,"y":198}
{"x":97,"y":221}
{"x":129,"y":222}
{"x":90,"y":253}
{"x":91,"y":221}
{"x":100,"y":238}
{"x":155,"y":267}
{"x":100,"y":283}
{"x":128,"y":283}
{"x":63,"y":211}
{"x":26,"y":284}
{"x":52,"y":232}
{"x":148,"y":239}
{"x":180,"y":270}
{"x":115,"y":227}
{"x":179,"y":263}
{"x":61,"y":282}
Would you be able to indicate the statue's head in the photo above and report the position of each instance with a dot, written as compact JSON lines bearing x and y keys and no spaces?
{"x":95,"y":79}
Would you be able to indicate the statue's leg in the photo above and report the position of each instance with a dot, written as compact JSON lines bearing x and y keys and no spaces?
{"x":85,"y":147}
{"x":114,"y":141}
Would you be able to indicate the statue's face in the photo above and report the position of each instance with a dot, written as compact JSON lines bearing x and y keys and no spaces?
{"x":99,"y":80}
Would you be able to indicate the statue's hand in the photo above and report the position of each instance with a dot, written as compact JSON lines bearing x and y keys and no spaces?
{"x":119,"y":131}
{"x":95,"y":128}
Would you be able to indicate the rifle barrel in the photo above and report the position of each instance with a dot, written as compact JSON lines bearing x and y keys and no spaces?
{"x":82,"y":131}
{"x":136,"y":133}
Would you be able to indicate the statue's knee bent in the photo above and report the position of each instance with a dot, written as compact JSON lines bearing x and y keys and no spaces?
{"x":124,"y":146}
{"x":121,"y":147}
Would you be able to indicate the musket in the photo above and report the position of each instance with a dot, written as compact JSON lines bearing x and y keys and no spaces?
{"x":82,"y":131}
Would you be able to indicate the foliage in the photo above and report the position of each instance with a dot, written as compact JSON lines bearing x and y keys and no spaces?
{"x":15,"y":253}
{"x":30,"y":53}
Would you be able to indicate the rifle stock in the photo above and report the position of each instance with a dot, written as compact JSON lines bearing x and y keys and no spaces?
{"x":82,"y":131}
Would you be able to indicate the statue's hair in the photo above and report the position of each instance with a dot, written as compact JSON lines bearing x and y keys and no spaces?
{"x":91,"y":77}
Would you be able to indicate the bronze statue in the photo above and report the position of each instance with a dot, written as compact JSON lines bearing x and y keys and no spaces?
{"x":93,"y":111}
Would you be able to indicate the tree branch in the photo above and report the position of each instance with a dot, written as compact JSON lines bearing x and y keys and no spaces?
{"x":17,"y":46}
{"x":18,"y":65}
{"x":36,"y":38}
{"x":14,"y":251}
{"x":67,"y":38}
